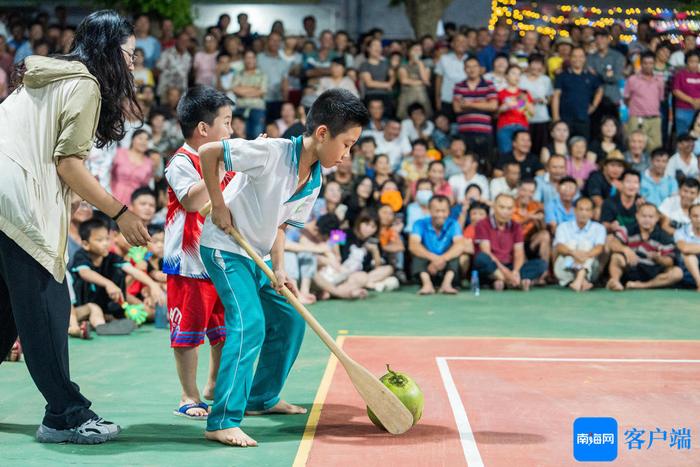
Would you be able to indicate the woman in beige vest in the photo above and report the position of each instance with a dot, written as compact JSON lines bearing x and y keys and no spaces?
{"x":48,"y":125}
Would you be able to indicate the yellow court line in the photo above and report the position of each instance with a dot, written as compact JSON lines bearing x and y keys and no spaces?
{"x":524,"y":338}
{"x":312,"y":423}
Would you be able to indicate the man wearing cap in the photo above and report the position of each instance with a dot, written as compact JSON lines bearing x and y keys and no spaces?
{"x":683,"y":163}
{"x":560,"y":60}
{"x":604,"y":183}
{"x":577,"y":94}
{"x":620,"y":210}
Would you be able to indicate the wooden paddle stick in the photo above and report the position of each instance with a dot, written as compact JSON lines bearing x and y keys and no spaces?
{"x":395,"y":417}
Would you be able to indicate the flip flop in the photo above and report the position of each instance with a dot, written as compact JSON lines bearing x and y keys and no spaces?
{"x":117,"y":327}
{"x":182,"y":411}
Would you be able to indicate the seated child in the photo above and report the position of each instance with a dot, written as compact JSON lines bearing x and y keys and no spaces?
{"x":99,"y":276}
{"x":360,"y":253}
{"x":390,"y":240}
{"x":150,"y":260}
{"x":143,"y":204}
{"x":331,"y":279}
{"x":477,"y":211}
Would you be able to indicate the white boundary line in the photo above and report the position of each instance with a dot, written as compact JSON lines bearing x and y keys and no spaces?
{"x":549,"y":359}
{"x":466,"y":436}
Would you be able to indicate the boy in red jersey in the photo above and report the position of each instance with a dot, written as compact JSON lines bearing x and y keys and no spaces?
{"x":194,"y":307}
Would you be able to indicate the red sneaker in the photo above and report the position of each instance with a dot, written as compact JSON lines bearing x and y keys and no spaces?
{"x":85,"y":330}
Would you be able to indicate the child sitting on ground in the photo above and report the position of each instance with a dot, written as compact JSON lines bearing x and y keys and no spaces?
{"x":143,"y":204}
{"x":99,"y":276}
{"x":390,"y":239}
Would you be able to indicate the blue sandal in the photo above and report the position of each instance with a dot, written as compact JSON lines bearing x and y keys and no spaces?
{"x":182,"y":411}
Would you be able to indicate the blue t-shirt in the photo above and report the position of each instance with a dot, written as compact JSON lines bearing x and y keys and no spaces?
{"x":577,"y":91}
{"x":554,"y":211}
{"x":151,"y":50}
{"x":656,"y":193}
{"x":436,"y":242}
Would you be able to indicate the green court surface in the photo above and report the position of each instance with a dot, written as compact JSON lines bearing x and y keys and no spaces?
{"x":132,"y":380}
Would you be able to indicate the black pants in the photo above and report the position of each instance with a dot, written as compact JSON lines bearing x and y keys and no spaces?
{"x":539,"y":133}
{"x":482,"y":145}
{"x":579,"y":127}
{"x":272,"y":111}
{"x":35,"y":305}
{"x":419,"y":265}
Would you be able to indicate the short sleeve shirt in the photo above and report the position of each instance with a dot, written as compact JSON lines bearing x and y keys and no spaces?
{"x":434,"y":241}
{"x":613,"y":210}
{"x":501,"y":242}
{"x":577,"y":91}
{"x":528,"y":166}
{"x":263,"y":195}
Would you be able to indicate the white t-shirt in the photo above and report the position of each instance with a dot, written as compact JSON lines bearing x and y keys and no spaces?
{"x":499,"y":185}
{"x":451,"y":69}
{"x":686,"y":234}
{"x":261,"y":197}
{"x":459,"y":184}
{"x":540,"y":88}
{"x":675,"y":163}
{"x":409,"y":131}
{"x":671,"y":208}
{"x":396,"y":149}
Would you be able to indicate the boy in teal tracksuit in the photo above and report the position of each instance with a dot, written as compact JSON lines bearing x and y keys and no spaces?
{"x":276,"y":184}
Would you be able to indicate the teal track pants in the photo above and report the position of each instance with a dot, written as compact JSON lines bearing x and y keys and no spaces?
{"x":259,"y":323}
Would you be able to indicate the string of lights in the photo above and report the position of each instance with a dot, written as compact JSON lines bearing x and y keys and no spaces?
{"x":550,"y":19}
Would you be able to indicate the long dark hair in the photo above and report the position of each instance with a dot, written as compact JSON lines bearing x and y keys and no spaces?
{"x":97,"y":45}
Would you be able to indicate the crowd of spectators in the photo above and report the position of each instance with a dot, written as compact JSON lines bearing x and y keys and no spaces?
{"x":515,"y":159}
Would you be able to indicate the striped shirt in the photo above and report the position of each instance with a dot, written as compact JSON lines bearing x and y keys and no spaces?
{"x":658,"y":241}
{"x":475,"y":121}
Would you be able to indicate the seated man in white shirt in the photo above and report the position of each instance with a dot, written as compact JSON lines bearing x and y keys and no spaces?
{"x":417,"y":126}
{"x":579,"y":244}
{"x":684,"y":163}
{"x":508,"y":183}
{"x":687,"y":240}
{"x":391,"y":143}
{"x":675,"y":209}
{"x":469,"y":176}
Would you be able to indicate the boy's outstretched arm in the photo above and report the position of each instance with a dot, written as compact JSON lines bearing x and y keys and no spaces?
{"x":210,"y":155}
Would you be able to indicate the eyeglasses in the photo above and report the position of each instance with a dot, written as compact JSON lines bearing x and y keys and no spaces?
{"x":131,"y":55}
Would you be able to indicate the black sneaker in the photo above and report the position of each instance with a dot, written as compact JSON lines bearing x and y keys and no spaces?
{"x":94,"y":431}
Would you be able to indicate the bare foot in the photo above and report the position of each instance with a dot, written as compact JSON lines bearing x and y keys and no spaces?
{"x":359,"y":294}
{"x":426,"y":290}
{"x":575,"y":286}
{"x":231,"y":436}
{"x":208,"y":392}
{"x":525,"y":285}
{"x":614,"y":285}
{"x":498,"y":285}
{"x":698,"y":289}
{"x":586,"y":286}
{"x":448,"y":290}
{"x":634,"y":285}
{"x":282,"y":407}
{"x":325,"y":295}
{"x":307,"y":299}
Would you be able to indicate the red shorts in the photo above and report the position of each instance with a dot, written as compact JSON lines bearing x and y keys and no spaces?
{"x":194,"y":310}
